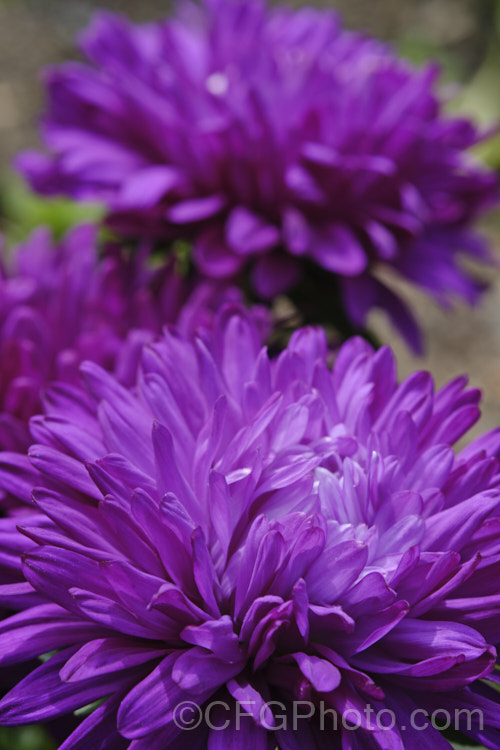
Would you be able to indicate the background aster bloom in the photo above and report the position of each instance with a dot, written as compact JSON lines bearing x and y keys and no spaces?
{"x":62,"y":304}
{"x":246,"y":530}
{"x":278,"y":143}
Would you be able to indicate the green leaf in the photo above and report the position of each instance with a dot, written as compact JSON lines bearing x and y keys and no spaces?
{"x":89,"y":708}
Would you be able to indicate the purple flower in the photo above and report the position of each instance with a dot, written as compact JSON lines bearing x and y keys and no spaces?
{"x":246,"y":530}
{"x":60,"y":305}
{"x":279,"y":144}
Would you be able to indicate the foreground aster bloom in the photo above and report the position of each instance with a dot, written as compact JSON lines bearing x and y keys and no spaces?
{"x":60,"y":305}
{"x":243,"y":530}
{"x":278,"y":143}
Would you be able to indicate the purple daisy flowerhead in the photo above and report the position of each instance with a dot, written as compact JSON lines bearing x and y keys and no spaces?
{"x":280,"y":144}
{"x":238,"y":536}
{"x":62,"y":303}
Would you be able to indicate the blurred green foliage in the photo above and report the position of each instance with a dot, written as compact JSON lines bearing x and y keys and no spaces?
{"x":25,"y":738}
{"x":21,"y":211}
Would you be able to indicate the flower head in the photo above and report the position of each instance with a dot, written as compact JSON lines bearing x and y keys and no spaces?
{"x":277,"y":142}
{"x":62,"y":304}
{"x":241,"y":530}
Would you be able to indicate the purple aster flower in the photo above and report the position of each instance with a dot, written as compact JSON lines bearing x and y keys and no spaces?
{"x":60,"y":305}
{"x":280,"y":144}
{"x":237,"y":531}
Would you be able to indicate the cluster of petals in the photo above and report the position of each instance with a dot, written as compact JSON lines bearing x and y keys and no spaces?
{"x":242,"y":529}
{"x":63,"y":303}
{"x":275,"y":141}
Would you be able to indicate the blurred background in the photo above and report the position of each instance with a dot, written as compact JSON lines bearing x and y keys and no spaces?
{"x":463,"y":35}
{"x":33,"y":33}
